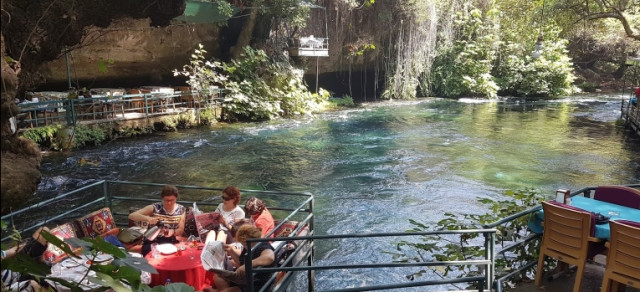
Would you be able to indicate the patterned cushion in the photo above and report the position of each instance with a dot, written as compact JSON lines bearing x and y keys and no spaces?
{"x":286,"y":229}
{"x":96,"y":223}
{"x":53,"y":254}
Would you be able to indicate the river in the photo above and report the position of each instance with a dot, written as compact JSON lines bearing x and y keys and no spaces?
{"x":374,"y":167}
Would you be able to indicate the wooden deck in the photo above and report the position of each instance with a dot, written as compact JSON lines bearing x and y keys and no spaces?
{"x":591,"y":281}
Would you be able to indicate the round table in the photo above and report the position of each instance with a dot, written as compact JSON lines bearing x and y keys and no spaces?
{"x":181,"y":267}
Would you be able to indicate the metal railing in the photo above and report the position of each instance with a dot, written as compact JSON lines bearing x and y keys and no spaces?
{"x":631,"y":114}
{"x":497,"y":283}
{"x":122,"y":196}
{"x":106,"y":107}
{"x":482,"y":281}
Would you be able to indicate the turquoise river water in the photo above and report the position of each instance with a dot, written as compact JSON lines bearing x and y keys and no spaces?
{"x":374,"y":167}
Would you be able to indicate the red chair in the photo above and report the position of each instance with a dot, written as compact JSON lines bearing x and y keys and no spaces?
{"x":619,"y":195}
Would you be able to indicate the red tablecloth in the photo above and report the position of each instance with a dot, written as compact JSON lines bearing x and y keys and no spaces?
{"x":181,"y":269}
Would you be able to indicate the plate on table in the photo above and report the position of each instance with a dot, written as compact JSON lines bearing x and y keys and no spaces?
{"x":167,"y":248}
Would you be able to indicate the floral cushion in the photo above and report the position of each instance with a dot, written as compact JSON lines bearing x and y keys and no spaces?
{"x":53,"y":254}
{"x":96,"y":223}
{"x":286,"y":229}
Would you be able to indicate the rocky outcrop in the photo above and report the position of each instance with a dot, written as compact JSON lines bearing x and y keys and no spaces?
{"x":128,"y":53}
{"x":20,"y":157}
{"x":34,"y":32}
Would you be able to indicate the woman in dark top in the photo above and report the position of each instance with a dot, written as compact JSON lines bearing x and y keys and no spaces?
{"x":262,"y":254}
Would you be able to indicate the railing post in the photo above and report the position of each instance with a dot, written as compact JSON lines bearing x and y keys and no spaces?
{"x":146,"y":105}
{"x":489,"y":245}
{"x":249,"y":267}
{"x":106,"y":194}
{"x":72,"y":107}
{"x":311,"y":281}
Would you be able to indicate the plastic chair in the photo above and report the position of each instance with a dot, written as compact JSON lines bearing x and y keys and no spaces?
{"x":619,"y":195}
{"x":566,"y":238}
{"x":623,"y":260}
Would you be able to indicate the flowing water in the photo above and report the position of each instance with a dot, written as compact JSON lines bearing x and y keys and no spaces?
{"x":374,"y":167}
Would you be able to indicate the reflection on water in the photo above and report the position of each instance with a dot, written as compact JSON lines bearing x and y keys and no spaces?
{"x":374,"y":167}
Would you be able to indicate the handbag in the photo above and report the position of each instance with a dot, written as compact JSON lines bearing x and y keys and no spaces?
{"x":130,"y":235}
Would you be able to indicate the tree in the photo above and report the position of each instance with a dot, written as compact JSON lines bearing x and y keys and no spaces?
{"x":627,"y":12}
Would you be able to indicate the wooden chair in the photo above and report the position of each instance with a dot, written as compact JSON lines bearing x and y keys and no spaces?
{"x":623,"y":260}
{"x":566,"y":237}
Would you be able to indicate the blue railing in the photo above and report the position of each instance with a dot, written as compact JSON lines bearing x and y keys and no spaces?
{"x":121,"y":197}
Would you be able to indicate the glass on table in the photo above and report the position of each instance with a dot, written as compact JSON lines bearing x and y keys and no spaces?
{"x":194,"y":241}
{"x":155,"y":253}
{"x":613,"y":214}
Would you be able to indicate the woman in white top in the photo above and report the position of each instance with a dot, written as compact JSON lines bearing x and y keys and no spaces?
{"x":229,"y":209}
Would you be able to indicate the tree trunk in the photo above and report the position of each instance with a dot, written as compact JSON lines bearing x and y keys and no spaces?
{"x":245,"y":35}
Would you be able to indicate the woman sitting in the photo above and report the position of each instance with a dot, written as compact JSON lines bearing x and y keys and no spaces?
{"x":33,"y":247}
{"x":229,"y":209}
{"x":262,"y":254}
{"x":230,"y":213}
{"x":170,"y":213}
{"x":260,"y":215}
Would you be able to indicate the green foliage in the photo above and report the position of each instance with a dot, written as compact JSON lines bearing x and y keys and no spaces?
{"x":345,"y":101}
{"x":132,"y":132}
{"x":470,"y":246}
{"x":202,"y":75}
{"x":256,"y":87}
{"x":464,"y":69}
{"x":207,"y":115}
{"x":44,"y":137}
{"x":85,"y":136}
{"x":289,"y":10}
{"x":121,"y":275}
{"x":549,"y":75}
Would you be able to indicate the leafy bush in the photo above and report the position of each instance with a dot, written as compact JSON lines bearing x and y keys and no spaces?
{"x":256,"y":87}
{"x":44,"y":137}
{"x":465,"y":68}
{"x":207,"y":115}
{"x":345,"y":101}
{"x":84,"y":136}
{"x":549,"y":75}
{"x":469,"y":246}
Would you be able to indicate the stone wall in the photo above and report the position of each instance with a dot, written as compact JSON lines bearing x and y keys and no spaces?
{"x":130,"y":53}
